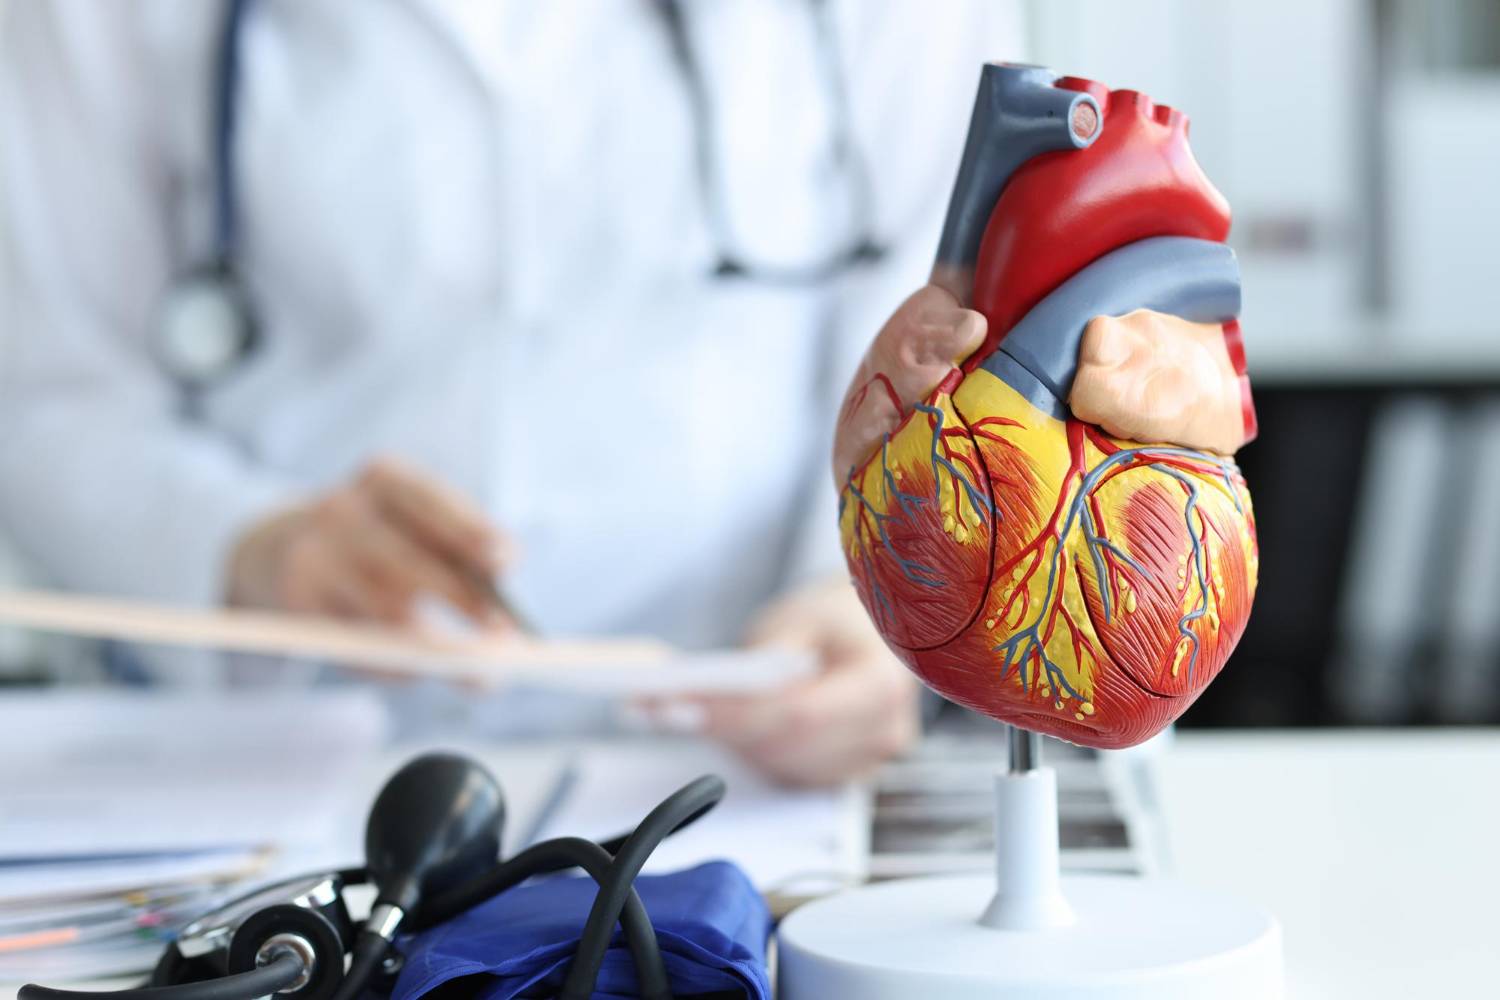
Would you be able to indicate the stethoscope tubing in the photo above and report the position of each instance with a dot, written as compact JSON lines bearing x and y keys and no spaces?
{"x":613,"y":864}
{"x":225,"y":128}
{"x":731,"y":264}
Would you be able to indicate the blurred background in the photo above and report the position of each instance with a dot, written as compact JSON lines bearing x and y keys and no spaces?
{"x":1358,"y":142}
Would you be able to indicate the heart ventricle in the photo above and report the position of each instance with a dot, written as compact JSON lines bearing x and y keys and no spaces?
{"x":1038,"y":571}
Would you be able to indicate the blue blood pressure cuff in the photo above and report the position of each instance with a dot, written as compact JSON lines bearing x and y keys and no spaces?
{"x":711,"y":924}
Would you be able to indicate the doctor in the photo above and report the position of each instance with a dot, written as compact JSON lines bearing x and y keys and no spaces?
{"x":563,"y":291}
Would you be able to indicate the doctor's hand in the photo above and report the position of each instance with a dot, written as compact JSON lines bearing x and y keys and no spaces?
{"x":859,"y":710}
{"x":367,"y":549}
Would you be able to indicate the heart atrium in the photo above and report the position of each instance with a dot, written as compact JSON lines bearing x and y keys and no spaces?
{"x":1041,"y":572}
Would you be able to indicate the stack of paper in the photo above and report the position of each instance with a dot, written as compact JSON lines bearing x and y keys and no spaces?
{"x":123,"y":817}
{"x":71,"y":918}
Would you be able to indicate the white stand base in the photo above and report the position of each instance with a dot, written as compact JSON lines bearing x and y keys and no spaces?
{"x":1026,"y":932}
{"x":1133,"y":939}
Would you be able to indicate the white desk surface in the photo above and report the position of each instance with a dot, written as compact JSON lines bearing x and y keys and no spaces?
{"x":1377,"y":851}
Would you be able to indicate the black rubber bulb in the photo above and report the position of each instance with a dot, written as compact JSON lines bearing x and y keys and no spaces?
{"x":435,"y":825}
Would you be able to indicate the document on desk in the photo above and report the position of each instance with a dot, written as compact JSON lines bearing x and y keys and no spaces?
{"x":106,"y":773}
{"x":123,"y":814}
{"x":788,"y":841}
{"x":599,"y":666}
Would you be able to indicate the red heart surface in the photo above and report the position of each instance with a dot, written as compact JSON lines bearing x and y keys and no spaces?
{"x":1023,"y":562}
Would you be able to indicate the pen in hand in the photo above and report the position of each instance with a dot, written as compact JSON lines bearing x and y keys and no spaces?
{"x":485,"y":583}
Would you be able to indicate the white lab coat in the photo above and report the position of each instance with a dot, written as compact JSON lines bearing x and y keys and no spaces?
{"x":474,"y":237}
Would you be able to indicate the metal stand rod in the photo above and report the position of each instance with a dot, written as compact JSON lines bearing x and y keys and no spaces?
{"x":1025,"y":750}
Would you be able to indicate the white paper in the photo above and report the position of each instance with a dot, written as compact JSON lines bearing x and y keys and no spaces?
{"x":722,"y":671}
{"x":29,"y":884}
{"x":781,"y":837}
{"x":102,"y":772}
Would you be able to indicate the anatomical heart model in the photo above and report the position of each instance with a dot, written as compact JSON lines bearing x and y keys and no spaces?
{"x":1039,"y":504}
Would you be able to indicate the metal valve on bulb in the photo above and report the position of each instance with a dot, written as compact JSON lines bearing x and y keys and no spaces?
{"x":279,"y":947}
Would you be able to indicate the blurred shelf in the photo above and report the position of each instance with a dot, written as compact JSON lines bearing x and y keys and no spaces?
{"x":1375,"y":352}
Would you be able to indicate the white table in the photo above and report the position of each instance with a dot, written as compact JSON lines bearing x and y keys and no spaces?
{"x":1377,"y":850}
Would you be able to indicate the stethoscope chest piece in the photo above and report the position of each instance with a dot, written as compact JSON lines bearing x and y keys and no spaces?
{"x":309,"y":935}
{"x":305,"y":918}
{"x":204,"y":326}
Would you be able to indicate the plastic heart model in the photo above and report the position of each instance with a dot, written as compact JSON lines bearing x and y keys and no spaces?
{"x":1012,"y":537}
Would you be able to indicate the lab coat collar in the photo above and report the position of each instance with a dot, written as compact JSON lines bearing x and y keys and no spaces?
{"x":472,"y":28}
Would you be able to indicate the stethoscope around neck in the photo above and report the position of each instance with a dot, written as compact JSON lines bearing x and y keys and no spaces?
{"x":206,"y":325}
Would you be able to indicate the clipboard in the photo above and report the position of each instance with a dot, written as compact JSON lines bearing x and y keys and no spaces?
{"x":629,"y":666}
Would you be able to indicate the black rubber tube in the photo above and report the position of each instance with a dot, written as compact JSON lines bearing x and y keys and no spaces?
{"x":272,"y":977}
{"x":687,"y":803}
{"x":613,"y":866}
{"x":614,"y":844}
{"x":554,"y":856}
{"x":369,"y":951}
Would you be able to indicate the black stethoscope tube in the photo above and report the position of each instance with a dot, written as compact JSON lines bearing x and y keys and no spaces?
{"x":226,"y":111}
{"x":862,"y":248}
{"x":555,"y":856}
{"x":219,"y":274}
{"x":272,"y":977}
{"x":672,"y":814}
{"x":614,"y":865}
